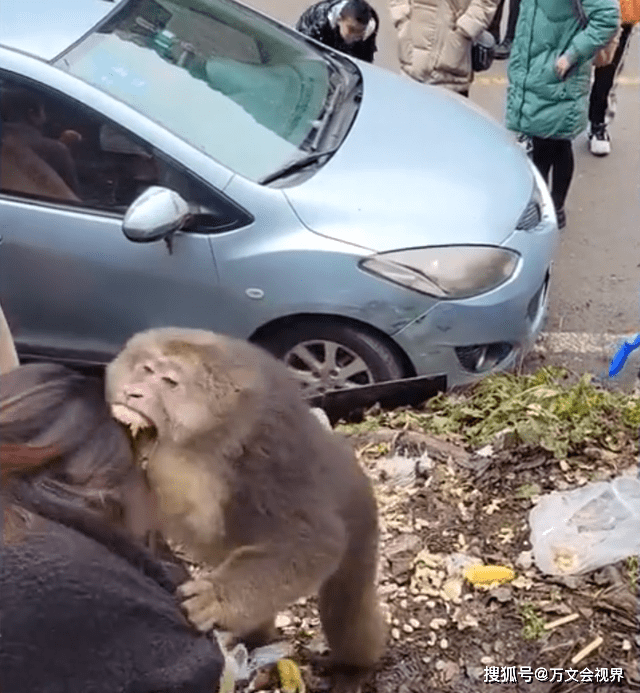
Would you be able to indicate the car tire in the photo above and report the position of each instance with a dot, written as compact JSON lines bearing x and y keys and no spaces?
{"x":332,"y":355}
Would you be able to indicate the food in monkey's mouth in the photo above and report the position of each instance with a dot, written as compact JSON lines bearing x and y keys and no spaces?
{"x":133,"y":419}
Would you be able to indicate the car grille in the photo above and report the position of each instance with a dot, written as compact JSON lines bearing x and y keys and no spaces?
{"x":480,"y":358}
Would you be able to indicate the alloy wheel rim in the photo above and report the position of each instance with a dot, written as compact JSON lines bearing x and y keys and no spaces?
{"x":320,"y":365}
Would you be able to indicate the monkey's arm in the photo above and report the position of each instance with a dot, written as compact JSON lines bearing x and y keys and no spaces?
{"x":255,"y":582}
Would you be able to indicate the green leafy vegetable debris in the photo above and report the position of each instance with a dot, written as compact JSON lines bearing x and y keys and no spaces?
{"x":541,"y":409}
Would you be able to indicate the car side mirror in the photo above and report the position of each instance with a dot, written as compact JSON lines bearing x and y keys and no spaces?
{"x":154,"y":215}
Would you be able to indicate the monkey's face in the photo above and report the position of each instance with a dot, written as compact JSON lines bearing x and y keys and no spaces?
{"x":158,"y":393}
{"x":176,"y":389}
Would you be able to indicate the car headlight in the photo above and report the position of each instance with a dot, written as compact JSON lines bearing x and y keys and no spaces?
{"x":448,"y":272}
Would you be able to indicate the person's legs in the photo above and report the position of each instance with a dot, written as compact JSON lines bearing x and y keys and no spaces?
{"x":494,"y":27}
{"x":542,"y":155}
{"x":503,"y":50}
{"x":512,"y":20}
{"x":602,"y":83}
{"x":563,"y":167}
{"x":604,"y":77}
{"x":557,"y":155}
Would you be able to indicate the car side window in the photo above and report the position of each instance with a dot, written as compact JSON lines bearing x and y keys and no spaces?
{"x":56,"y":150}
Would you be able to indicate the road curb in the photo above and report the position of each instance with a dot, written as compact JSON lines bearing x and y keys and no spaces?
{"x":582,"y":342}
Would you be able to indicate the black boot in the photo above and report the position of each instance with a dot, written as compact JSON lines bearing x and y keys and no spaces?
{"x":503,"y":50}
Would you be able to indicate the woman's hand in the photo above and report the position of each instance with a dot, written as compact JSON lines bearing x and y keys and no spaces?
{"x":562,"y":66}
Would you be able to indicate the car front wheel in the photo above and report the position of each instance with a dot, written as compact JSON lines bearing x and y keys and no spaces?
{"x":333,"y":356}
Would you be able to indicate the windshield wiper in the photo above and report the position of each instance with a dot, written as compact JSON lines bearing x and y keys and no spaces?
{"x":297,"y":165}
{"x":337,"y":85}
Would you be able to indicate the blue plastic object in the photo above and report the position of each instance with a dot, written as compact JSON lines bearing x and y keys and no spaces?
{"x":620,"y":358}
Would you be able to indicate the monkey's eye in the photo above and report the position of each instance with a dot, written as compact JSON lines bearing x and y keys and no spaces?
{"x":147,"y":369}
{"x":170,"y":381}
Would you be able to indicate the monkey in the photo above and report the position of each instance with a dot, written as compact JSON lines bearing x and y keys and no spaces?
{"x":250,"y":482}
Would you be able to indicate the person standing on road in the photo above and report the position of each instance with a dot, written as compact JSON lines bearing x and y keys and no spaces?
{"x":435,"y":38}
{"x":349,"y":26}
{"x":503,"y":48}
{"x":604,"y":78}
{"x":549,"y":78}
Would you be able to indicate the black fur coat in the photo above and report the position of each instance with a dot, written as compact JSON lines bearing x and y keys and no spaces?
{"x":78,"y":617}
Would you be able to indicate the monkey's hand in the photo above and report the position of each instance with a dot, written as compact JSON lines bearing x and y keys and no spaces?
{"x":202,"y":603}
{"x":255,"y":582}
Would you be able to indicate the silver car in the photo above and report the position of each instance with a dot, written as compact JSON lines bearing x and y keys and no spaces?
{"x":195,"y":163}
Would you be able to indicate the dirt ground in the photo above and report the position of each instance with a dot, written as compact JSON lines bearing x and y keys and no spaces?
{"x":438,"y":500}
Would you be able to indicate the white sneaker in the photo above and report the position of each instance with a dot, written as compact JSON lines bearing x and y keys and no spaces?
{"x":599,"y":140}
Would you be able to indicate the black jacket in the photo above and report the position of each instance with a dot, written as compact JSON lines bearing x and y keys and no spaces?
{"x":315,"y":23}
{"x":78,"y":617}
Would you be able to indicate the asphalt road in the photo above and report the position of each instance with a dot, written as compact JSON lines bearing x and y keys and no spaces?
{"x":595,"y":293}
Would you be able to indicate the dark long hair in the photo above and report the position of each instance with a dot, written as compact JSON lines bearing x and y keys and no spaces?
{"x":59,"y":445}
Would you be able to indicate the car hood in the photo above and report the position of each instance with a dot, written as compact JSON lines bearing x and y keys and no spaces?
{"x":420,"y":166}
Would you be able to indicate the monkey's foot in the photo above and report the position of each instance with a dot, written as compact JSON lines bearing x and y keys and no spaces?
{"x":321,"y":661}
{"x":344,"y":679}
{"x":201,"y":604}
{"x":348,"y":681}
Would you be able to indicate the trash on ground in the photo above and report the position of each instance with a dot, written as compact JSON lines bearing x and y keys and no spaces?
{"x":585,"y":651}
{"x":488,"y":574}
{"x":290,"y":677}
{"x":578,"y":531}
{"x":561,"y":621}
{"x":242,"y":666}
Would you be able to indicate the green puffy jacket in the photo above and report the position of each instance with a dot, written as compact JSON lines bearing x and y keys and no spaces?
{"x":538,"y":102}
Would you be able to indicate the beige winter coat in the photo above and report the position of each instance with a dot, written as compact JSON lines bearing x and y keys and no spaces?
{"x":8,"y":356}
{"x":435,"y":37}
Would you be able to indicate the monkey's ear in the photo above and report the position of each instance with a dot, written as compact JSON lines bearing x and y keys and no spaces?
{"x":243,"y":378}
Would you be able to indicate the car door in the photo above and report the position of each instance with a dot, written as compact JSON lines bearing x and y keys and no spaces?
{"x":71,"y":284}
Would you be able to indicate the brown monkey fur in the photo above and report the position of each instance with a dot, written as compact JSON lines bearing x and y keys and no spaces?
{"x":253,"y":486}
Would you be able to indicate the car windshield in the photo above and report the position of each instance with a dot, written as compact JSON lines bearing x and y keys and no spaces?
{"x":227,"y":80}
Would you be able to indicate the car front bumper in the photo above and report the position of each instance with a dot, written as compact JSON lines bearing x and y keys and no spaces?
{"x":465,"y":340}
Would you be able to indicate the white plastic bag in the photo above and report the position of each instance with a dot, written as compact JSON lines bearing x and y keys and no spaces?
{"x":240,"y":666}
{"x":578,"y":531}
